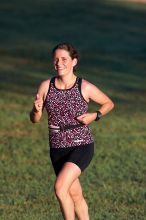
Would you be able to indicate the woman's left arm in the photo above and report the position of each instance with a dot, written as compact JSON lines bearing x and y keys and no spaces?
{"x":91,"y":92}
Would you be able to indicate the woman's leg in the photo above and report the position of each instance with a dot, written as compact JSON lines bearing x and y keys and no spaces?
{"x":80,"y":204}
{"x":69,"y":173}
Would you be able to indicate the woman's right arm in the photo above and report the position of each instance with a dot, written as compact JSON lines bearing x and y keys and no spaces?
{"x":38,"y":105}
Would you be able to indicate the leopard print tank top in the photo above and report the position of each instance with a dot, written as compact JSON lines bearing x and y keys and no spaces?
{"x":64,"y":106}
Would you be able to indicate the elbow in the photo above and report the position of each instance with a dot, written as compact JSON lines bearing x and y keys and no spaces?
{"x":112,"y":105}
{"x":33,"y":119}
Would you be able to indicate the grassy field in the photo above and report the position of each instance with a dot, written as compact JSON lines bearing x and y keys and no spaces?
{"x":111,"y":38}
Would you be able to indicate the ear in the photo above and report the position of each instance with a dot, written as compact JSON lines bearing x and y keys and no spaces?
{"x":75,"y":61}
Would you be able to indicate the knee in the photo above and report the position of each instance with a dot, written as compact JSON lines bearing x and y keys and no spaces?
{"x":79,"y":201}
{"x":76,"y":195}
{"x":60,"y":191}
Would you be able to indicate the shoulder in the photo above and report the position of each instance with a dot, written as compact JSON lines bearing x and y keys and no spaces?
{"x":86,"y":85}
{"x":90,"y":91}
{"x":44,"y":84}
{"x":86,"y":89}
{"x":43,"y":88}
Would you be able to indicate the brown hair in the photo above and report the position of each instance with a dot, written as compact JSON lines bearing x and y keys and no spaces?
{"x":68,"y":47}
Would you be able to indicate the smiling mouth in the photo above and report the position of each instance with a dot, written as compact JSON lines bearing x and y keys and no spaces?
{"x":58,"y":68}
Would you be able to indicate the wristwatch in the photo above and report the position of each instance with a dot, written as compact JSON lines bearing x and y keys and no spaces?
{"x":99,"y":115}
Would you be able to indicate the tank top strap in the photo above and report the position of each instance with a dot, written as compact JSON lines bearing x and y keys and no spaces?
{"x":79,"y":84}
{"x":51,"y":83}
{"x":52,"y":80}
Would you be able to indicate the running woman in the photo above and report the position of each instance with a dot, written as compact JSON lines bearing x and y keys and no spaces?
{"x":66,"y":98}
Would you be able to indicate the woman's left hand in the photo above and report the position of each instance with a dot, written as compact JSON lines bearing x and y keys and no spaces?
{"x":87,"y":118}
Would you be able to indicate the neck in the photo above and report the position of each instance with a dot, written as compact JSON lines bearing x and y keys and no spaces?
{"x":66,"y":81}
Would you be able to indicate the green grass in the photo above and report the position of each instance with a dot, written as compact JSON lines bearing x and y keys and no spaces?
{"x":110,"y":36}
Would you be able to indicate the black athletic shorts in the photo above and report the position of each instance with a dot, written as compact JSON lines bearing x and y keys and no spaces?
{"x":80,"y":155}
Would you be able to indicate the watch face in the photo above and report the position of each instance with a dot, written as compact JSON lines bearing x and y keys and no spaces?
{"x":99,"y":115}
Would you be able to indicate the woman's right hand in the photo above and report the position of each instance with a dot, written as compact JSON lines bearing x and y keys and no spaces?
{"x":38,"y":103}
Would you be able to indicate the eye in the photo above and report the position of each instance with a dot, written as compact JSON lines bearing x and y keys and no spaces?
{"x":64,"y":59}
{"x":55,"y":60}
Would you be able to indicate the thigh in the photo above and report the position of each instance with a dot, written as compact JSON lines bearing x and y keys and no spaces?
{"x":69,"y":173}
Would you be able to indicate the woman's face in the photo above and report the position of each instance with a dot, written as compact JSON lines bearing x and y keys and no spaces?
{"x":63,"y":63}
